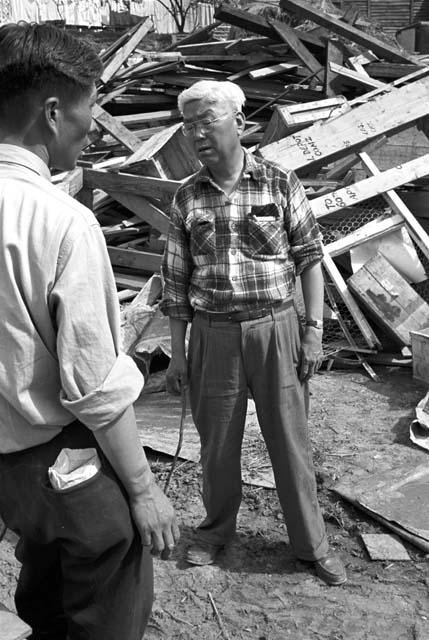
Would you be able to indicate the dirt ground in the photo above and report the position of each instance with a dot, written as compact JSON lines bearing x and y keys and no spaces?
{"x":258,"y":590}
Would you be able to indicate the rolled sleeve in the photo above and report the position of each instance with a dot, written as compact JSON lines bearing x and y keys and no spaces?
{"x":120,"y":388}
{"x":176,"y":270}
{"x":98,"y":381}
{"x":304,"y":234}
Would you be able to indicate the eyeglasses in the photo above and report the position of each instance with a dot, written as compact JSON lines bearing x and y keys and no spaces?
{"x":205,"y":125}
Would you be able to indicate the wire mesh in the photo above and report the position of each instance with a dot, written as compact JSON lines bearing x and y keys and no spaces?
{"x":339,"y":226}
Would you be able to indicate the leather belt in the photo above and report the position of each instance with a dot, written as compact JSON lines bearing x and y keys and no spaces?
{"x":244,"y":316}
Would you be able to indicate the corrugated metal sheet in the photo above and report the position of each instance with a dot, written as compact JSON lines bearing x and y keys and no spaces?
{"x":393,"y":14}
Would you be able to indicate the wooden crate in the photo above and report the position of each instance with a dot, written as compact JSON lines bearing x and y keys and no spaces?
{"x":390,"y":299}
{"x":287,"y":119}
{"x":420,"y":350}
{"x":167,"y":154}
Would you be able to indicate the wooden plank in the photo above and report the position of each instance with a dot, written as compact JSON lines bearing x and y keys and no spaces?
{"x":272,"y":70}
{"x":420,"y":237}
{"x":380,"y":48}
{"x":129,"y":280}
{"x":167,"y":154}
{"x":119,"y":58}
{"x":369,"y":231}
{"x":370,"y":187}
{"x":334,"y":53}
{"x":131,"y":259}
{"x":70,"y":181}
{"x":197,"y":36}
{"x":258,"y":24}
{"x":367,"y":332}
{"x":331,"y":139}
{"x":116,"y":128}
{"x":359,"y":78}
{"x":341,"y":167}
{"x":136,"y":119}
{"x":395,"y":304}
{"x":291,"y":38}
{"x":144,"y":209}
{"x":117,"y":44}
{"x":137,"y":185}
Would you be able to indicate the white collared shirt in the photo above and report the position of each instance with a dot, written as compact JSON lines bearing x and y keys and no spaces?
{"x":60,"y":356}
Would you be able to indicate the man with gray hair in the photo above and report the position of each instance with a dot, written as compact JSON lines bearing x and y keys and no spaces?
{"x":241,"y":231}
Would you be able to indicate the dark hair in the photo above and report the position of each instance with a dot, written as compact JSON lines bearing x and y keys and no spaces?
{"x":41,"y":57}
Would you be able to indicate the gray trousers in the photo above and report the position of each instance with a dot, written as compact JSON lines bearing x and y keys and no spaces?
{"x":225,"y":360}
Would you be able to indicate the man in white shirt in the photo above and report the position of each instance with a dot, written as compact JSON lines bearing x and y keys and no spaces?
{"x":64,"y":383}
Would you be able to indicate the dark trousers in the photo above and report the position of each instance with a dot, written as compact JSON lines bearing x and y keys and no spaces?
{"x":226,"y":359}
{"x":85,"y":574}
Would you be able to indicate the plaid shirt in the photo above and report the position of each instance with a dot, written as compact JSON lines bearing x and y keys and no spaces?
{"x":237,"y":252}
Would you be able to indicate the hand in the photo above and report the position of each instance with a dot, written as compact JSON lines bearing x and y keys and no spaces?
{"x":176,"y":375}
{"x":155,"y":520}
{"x":311,"y":353}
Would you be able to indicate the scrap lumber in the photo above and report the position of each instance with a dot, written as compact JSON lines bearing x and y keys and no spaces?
{"x":108,"y":53}
{"x":167,"y":154}
{"x":335,"y":54}
{"x":122,"y":54}
{"x":143,"y":208}
{"x":397,"y":307}
{"x":116,"y":129}
{"x":289,"y":118}
{"x":419,"y":235}
{"x":370,"y":187}
{"x":260,"y":25}
{"x":138,"y":185}
{"x":380,"y":48}
{"x":368,"y":231}
{"x":359,"y":318}
{"x":289,"y":35}
{"x":345,"y":329}
{"x":360,"y":78}
{"x":70,"y":181}
{"x":334,"y":138}
{"x":144,"y":261}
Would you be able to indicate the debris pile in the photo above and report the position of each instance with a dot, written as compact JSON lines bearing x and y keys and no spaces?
{"x":344,"y":109}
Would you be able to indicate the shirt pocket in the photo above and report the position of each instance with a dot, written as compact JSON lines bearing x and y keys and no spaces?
{"x":203,"y":235}
{"x":266,"y":237}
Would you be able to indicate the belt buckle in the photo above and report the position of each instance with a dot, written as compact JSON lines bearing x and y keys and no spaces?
{"x":261,"y":313}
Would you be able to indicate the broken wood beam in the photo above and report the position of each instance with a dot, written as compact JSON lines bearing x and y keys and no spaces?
{"x":362,"y":79}
{"x":420,"y":237}
{"x":370,"y":187}
{"x":368,"y":231}
{"x":142,"y":261}
{"x":138,"y":185}
{"x":116,"y":128}
{"x":122,"y":54}
{"x":325,"y":141}
{"x":351,"y":304}
{"x":380,"y":48}
{"x":143,"y":208}
{"x":291,"y":38}
{"x":260,"y":25}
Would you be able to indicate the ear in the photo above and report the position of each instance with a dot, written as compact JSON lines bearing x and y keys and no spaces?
{"x":240,"y":121}
{"x":51,"y":110}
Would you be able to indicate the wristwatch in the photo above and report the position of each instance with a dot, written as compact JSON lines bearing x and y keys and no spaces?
{"x":317,"y":324}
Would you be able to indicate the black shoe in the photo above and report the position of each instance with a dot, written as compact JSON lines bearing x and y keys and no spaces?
{"x":330,"y":569}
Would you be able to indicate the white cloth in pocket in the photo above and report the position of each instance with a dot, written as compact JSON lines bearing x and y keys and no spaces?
{"x":72,"y":467}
